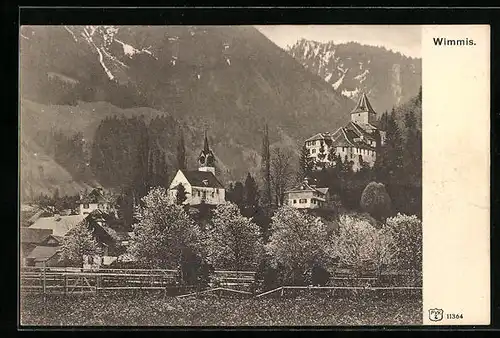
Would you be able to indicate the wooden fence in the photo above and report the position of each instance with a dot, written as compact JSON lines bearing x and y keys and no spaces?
{"x":332,"y":291}
{"x":78,"y":280}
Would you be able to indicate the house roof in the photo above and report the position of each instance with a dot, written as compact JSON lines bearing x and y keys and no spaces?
{"x":30,"y":235}
{"x":360,"y":130}
{"x":305,"y":186}
{"x":57,"y":239}
{"x":363,"y":105}
{"x":95,"y":196}
{"x":345,"y":137}
{"x":202,"y":179}
{"x":59,"y":224}
{"x":43,"y":253}
{"x":322,"y":190}
{"x":319,"y":136}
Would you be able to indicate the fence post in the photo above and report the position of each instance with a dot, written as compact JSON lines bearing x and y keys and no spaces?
{"x":44,"y":280}
{"x":97,"y":284}
{"x":65,"y":283}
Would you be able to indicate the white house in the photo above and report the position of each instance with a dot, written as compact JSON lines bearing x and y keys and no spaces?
{"x":307,"y":196}
{"x":201,"y":186}
{"x":95,"y":200}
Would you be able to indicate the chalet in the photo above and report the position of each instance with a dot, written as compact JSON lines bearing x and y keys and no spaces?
{"x":30,"y":238}
{"x":201,"y":186}
{"x":44,"y":239}
{"x":44,"y":255}
{"x":356,"y":142}
{"x":95,"y":200}
{"x":307,"y":196}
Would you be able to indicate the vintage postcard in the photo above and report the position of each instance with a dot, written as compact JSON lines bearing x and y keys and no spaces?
{"x":325,"y":175}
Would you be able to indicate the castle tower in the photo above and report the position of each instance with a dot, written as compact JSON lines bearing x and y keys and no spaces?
{"x":363,"y":113}
{"x":206,"y":160}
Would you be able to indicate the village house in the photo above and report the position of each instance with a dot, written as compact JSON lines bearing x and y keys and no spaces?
{"x":356,"y":142}
{"x":42,"y":241}
{"x":95,"y":200}
{"x":30,"y":238}
{"x":201,"y":186}
{"x":46,"y":253}
{"x":307,"y":196}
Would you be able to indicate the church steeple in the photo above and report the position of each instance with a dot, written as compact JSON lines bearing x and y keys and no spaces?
{"x":206,"y":148}
{"x":206,"y":160}
{"x":363,"y":113}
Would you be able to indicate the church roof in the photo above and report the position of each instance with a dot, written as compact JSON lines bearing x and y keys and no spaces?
{"x":202,"y":179}
{"x":363,"y":105}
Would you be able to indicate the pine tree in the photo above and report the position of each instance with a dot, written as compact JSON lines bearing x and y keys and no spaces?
{"x":306,"y":164}
{"x":229,"y":193}
{"x":389,"y":161}
{"x":250,"y":196}
{"x":140,"y":170}
{"x":413,"y":149}
{"x":266,"y":169}
{"x":162,"y":170}
{"x":238,"y":194}
{"x":181,"y":153}
{"x":180,"y":196}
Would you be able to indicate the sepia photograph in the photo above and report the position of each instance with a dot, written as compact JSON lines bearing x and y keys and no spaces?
{"x":221,"y":176}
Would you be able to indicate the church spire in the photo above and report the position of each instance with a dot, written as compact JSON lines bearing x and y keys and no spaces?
{"x":206,"y":148}
{"x":206,"y":160}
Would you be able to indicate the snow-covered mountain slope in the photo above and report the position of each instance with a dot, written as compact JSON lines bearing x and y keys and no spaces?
{"x":388,"y":78}
{"x":228,"y":80}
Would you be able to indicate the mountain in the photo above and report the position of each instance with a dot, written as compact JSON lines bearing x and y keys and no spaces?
{"x":388,"y":78}
{"x":229,"y":81}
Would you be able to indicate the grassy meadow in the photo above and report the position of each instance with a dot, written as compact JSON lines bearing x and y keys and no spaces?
{"x":157,"y":310}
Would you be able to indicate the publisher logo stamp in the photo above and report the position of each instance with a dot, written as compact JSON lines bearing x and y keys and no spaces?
{"x":436,"y":315}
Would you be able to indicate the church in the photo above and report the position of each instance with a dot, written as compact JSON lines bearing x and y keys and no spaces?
{"x":201,"y":186}
{"x":356,"y":142}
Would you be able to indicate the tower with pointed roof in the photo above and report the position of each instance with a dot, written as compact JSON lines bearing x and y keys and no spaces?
{"x":206,"y":159}
{"x":356,"y":142}
{"x":363,"y":114}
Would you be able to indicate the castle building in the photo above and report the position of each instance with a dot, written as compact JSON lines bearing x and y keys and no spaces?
{"x":356,"y":142}
{"x":201,"y":186}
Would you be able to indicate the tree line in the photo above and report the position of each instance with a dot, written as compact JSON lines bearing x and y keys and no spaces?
{"x":301,"y":249}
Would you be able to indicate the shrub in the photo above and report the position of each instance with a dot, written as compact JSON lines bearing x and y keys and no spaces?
{"x":376,"y":201}
{"x":165,"y":236}
{"x":407,"y":234}
{"x":233,"y":241}
{"x":298,"y":242}
{"x":362,"y":246}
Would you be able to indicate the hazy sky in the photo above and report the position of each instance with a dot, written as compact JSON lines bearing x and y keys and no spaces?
{"x":403,"y":39}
